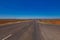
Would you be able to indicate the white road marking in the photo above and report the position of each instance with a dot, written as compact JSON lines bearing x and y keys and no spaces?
{"x":7,"y":37}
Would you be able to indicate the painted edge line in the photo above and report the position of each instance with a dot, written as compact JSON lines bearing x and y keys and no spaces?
{"x":7,"y":37}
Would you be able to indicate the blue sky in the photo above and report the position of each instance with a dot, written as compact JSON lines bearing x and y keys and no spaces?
{"x":29,"y":9}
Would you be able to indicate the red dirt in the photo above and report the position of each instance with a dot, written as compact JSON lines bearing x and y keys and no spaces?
{"x":2,"y":21}
{"x":51,"y":21}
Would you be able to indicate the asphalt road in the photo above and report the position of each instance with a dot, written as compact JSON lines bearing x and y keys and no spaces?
{"x":19,"y":31}
{"x":49,"y":31}
{"x":31,"y":30}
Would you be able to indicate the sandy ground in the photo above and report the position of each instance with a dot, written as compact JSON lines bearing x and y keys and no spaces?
{"x":3,"y":21}
{"x":51,"y":21}
{"x":7,"y":22}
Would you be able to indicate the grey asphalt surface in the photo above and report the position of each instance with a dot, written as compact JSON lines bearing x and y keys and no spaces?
{"x":31,"y":30}
{"x":19,"y":31}
{"x":49,"y":31}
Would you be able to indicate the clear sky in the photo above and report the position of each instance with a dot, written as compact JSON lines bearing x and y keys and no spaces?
{"x":29,"y":8}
